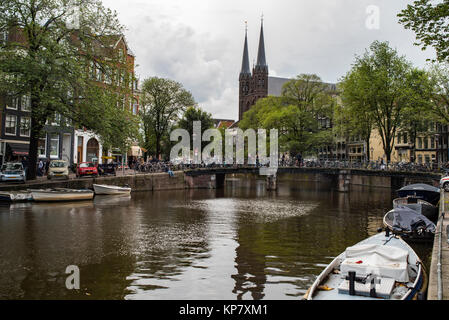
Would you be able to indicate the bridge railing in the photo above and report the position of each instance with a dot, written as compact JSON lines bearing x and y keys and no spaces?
{"x":367,"y":165}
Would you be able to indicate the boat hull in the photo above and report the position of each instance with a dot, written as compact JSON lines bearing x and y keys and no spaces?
{"x":110,"y":190}
{"x":61,"y":195}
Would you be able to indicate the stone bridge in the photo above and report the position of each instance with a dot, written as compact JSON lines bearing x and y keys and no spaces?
{"x":342,"y":179}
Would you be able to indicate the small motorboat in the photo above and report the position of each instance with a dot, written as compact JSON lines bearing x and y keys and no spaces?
{"x":423,"y":191}
{"x":419,"y":205}
{"x":409,"y":224}
{"x":381,"y":267}
{"x":110,"y":189}
{"x":15,"y":196}
{"x":61,"y":194}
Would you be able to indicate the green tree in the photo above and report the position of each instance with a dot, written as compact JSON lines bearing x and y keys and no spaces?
{"x":355,"y":115}
{"x":196,"y":114}
{"x":52,"y":47}
{"x":429,"y":20}
{"x":381,"y":84}
{"x":163,"y":102}
{"x":296,"y":114}
{"x":439,"y":106}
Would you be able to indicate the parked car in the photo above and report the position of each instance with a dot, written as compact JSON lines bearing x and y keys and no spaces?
{"x":444,"y":183}
{"x":86,"y":169}
{"x":58,"y":169}
{"x":13,"y":171}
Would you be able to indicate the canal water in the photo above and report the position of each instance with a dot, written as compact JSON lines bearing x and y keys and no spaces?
{"x":241,"y":242}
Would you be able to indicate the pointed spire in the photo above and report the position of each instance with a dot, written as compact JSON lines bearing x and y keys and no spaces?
{"x":245,"y":61}
{"x":261,"y":61}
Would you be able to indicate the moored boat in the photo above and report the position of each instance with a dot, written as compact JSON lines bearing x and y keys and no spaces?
{"x":15,"y":196}
{"x":380,"y":267}
{"x":409,"y":224}
{"x":104,"y":189}
{"x":61,"y":194}
{"x":419,"y":205}
{"x":423,"y":191}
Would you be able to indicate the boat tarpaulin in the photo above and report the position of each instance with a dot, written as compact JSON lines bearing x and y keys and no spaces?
{"x":406,"y":219}
{"x":420,"y":186}
{"x":374,"y":259}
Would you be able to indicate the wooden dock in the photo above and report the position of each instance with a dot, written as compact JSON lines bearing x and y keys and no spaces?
{"x":439,"y":270}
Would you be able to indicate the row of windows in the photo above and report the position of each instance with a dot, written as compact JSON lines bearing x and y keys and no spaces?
{"x":12,"y":125}
{"x":422,"y":142}
{"x":24,"y":103}
{"x":54,"y":146}
{"x":121,"y":79}
{"x":426,"y":158}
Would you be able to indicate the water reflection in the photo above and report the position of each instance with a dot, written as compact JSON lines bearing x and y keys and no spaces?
{"x":241,"y":242}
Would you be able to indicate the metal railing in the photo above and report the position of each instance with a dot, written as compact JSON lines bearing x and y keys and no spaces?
{"x":437,"y":168}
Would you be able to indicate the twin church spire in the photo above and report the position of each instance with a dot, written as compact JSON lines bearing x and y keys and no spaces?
{"x":253,"y":85}
{"x":261,"y":60}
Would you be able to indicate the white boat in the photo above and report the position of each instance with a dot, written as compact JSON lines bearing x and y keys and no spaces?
{"x":15,"y":196}
{"x":61,"y":194}
{"x":382,"y":267}
{"x":110,"y":189}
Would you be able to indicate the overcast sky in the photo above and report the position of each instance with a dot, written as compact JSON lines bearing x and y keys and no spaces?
{"x":200,"y":42}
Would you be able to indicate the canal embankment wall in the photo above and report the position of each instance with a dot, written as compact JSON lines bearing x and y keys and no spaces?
{"x":438,"y":288}
{"x":181,"y":180}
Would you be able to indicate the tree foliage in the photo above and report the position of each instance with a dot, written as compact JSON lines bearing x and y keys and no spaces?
{"x":195,"y":114}
{"x":52,"y":46}
{"x":429,"y":20}
{"x":383,"y":87}
{"x":296,"y":114}
{"x":163,"y":102}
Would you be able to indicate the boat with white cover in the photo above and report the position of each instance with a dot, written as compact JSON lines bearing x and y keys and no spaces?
{"x":382,"y":267}
{"x":110,"y":189}
{"x":61,"y":194}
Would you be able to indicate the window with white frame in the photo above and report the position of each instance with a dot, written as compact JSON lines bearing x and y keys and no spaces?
{"x":14,"y":105}
{"x":54,"y":145}
{"x":26,"y":103}
{"x":25,"y":126}
{"x":11,"y":124}
{"x":42,"y":147}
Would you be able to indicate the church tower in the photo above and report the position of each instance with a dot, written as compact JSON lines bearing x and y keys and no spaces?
{"x":253,"y":86}
{"x":244,"y":80}
{"x":260,"y":71}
